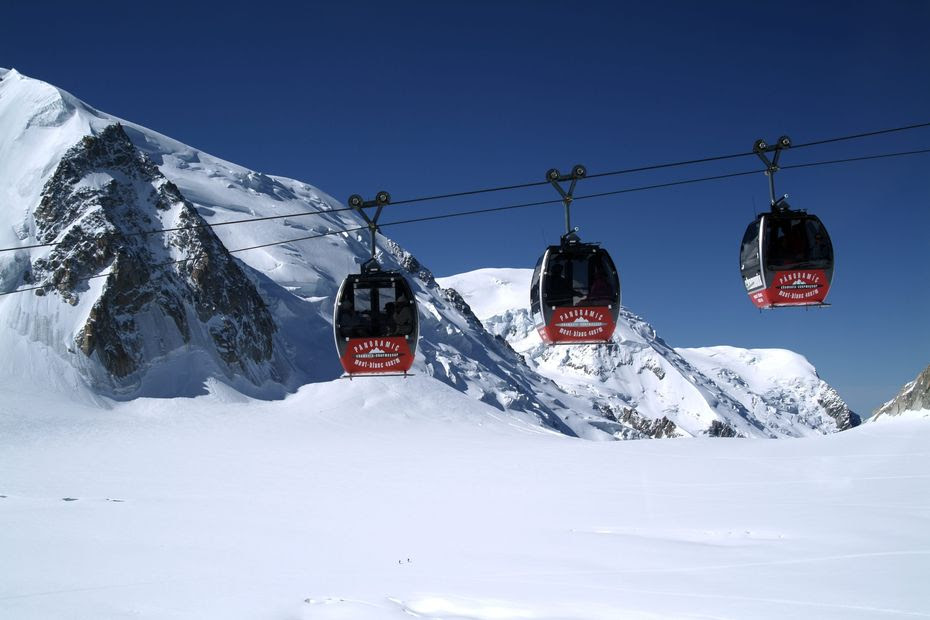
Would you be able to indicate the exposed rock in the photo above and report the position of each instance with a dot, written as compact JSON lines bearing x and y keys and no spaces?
{"x":915,"y":396}
{"x":837,"y":409}
{"x":655,"y":429}
{"x":99,"y":208}
{"x":721,"y":429}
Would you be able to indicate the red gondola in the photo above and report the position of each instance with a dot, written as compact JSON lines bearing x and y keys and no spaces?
{"x":786,"y":257}
{"x":375,"y":320}
{"x":575,"y":291}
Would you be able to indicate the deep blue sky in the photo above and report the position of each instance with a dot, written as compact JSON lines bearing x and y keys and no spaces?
{"x":423,"y":98}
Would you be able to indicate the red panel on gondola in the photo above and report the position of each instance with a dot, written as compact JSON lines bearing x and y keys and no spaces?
{"x":797,"y":287}
{"x":581,"y":325}
{"x":373,"y":356}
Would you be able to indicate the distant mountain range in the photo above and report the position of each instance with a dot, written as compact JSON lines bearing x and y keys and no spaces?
{"x":118,"y":311}
{"x":642,"y":387}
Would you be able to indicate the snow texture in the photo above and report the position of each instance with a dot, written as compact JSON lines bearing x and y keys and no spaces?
{"x":380,"y":503}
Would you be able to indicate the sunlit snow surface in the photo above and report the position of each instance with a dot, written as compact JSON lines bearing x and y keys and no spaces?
{"x":381,"y":504}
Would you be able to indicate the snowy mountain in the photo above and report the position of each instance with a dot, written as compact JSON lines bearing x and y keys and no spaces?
{"x":912,"y":401}
{"x":120,"y":313}
{"x":642,"y":387}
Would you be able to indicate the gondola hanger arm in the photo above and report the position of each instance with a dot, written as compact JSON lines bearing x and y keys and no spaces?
{"x":556,"y":179}
{"x":760,"y":147}
{"x":359,"y":204}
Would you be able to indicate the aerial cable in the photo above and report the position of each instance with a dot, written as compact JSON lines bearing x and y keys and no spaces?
{"x":503,"y":187}
{"x":504,"y":208}
{"x":856,"y":136}
{"x":643,"y":188}
{"x":687,"y":162}
{"x":49,"y":287}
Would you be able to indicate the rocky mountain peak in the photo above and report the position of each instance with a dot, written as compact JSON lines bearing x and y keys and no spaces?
{"x":915,"y":396}
{"x":161,"y":291}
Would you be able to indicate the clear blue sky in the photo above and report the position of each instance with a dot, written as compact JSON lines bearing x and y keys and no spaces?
{"x":422,"y":98}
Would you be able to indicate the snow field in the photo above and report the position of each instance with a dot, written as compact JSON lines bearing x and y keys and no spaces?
{"x":373,"y":503}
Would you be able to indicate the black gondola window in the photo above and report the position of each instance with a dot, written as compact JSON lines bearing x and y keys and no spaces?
{"x":378,"y":311}
{"x":749,"y":250}
{"x":797,"y":243}
{"x":534,"y":288}
{"x":395,"y":312}
{"x":819,"y":242}
{"x":579,"y":281}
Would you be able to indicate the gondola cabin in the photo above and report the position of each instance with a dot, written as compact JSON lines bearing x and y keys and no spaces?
{"x":575,"y":294}
{"x":786,"y":259}
{"x":376,"y":324}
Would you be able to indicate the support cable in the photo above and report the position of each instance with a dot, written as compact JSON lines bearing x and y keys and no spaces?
{"x":503,"y":208}
{"x":500,"y":188}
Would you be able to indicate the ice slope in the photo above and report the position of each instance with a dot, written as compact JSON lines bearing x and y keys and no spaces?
{"x":379,"y":504}
{"x":644,"y":387}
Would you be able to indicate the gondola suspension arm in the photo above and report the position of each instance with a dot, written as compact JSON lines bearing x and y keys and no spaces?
{"x":359,"y":204}
{"x":556,"y":178}
{"x":760,"y":148}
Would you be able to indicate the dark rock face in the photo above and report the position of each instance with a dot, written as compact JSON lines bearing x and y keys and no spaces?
{"x":720,"y":429}
{"x":627,"y":423}
{"x":656,"y":429}
{"x":161,"y":291}
{"x":411,"y":265}
{"x":914,"y":396}
{"x":837,"y":409}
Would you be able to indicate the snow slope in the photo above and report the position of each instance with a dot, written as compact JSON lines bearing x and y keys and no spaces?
{"x":644,"y":387}
{"x":380,"y":504}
